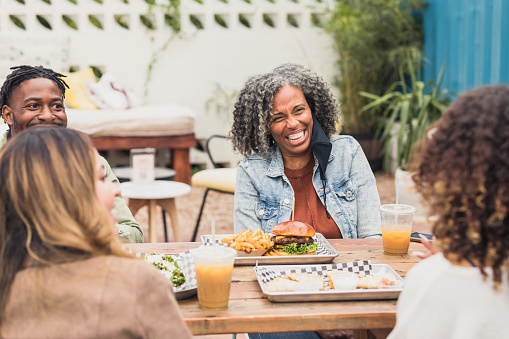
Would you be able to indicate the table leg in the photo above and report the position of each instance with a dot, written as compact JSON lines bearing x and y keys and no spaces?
{"x":360,"y":334}
{"x":135,"y":205}
{"x":152,"y":235}
{"x":181,"y":164}
{"x":170,"y":207}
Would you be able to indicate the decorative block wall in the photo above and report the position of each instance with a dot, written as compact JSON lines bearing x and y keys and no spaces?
{"x":222,"y":43}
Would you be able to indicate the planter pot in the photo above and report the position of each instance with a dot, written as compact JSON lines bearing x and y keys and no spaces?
{"x":407,"y":194}
{"x":372,"y":149}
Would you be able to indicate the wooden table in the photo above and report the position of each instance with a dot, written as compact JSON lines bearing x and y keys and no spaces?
{"x":250,"y":312}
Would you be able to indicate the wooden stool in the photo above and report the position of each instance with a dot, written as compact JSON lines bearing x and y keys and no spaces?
{"x":159,"y":192}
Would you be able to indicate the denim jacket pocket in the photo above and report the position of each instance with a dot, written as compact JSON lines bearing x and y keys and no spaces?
{"x":347,"y":191}
{"x":345,"y":194}
{"x":265,"y":210}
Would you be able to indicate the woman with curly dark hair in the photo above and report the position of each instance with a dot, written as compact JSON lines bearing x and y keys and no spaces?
{"x":463,"y":174}
{"x":284,"y":122}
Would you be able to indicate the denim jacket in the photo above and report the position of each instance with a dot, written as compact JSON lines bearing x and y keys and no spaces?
{"x":264,"y":196}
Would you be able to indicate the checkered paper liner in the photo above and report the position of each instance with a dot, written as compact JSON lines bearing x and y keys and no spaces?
{"x":267,"y":274}
{"x":186,"y":263}
{"x":321,"y":250}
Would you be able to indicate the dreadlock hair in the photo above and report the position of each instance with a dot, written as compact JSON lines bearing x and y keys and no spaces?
{"x":26,"y":72}
{"x":250,"y":132}
{"x":463,"y":174}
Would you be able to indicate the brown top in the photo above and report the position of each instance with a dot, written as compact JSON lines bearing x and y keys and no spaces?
{"x":99,"y":297}
{"x":308,"y":206}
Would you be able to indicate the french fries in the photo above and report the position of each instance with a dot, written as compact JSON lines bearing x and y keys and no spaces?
{"x":248,"y":241}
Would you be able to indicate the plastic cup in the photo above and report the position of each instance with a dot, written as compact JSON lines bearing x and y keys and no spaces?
{"x":396,"y":227}
{"x":213,"y":266}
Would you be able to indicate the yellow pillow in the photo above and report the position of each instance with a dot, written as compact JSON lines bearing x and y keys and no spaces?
{"x":76,"y":96}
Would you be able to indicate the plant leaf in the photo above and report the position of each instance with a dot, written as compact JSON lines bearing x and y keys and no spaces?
{"x":69,"y":21}
{"x":268,"y":20}
{"x":147,"y":21}
{"x":95,"y":21}
{"x":42,"y":20}
{"x":97,"y":72}
{"x":120,"y":19}
{"x":173,"y":22}
{"x":290,"y":18}
{"x":195,"y":21}
{"x":21,"y":1}
{"x":244,"y":21}
{"x":99,"y":1}
{"x":47,"y":1}
{"x":315,"y":19}
{"x":17,"y":21}
{"x":219,"y":19}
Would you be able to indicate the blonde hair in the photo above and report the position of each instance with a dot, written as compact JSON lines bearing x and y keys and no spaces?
{"x":48,"y":204}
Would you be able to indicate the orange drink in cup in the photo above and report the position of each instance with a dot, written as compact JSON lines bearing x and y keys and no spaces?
{"x":396,"y":227}
{"x":213,"y":266}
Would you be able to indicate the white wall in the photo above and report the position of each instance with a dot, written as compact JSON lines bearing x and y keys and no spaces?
{"x":189,"y":69}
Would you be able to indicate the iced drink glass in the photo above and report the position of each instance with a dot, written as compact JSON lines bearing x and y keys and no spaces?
{"x":213,"y":266}
{"x":396,"y":227}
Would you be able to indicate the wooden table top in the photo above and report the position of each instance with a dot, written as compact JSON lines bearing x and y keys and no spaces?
{"x":250,"y":312}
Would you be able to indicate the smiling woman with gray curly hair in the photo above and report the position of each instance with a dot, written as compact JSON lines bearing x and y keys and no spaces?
{"x":250,"y":132}
{"x":284,"y":122}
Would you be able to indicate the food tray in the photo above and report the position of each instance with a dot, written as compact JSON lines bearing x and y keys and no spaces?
{"x":186,"y":263}
{"x":324,"y":254}
{"x":265,"y":274}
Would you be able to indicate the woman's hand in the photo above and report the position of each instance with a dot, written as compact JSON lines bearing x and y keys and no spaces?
{"x":430,"y":248}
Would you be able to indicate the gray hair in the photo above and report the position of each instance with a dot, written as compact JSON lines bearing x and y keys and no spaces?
{"x":250,"y":132}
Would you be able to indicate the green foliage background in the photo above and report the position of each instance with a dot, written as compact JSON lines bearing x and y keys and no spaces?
{"x":372,"y":39}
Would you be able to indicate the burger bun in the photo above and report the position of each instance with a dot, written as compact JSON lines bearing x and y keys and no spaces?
{"x":293,"y":228}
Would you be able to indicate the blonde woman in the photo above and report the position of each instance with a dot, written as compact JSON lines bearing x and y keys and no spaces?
{"x":63,"y":272}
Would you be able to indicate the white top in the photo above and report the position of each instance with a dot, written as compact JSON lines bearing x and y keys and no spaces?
{"x":441,"y":300}
{"x":159,"y":189}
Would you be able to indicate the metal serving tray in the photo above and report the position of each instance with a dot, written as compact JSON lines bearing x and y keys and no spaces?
{"x":264,"y":273}
{"x":186,"y":263}
{"x":324,"y":254}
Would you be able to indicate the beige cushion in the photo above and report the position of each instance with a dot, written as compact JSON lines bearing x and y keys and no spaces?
{"x":76,"y":96}
{"x":142,"y":121}
{"x":221,"y":179}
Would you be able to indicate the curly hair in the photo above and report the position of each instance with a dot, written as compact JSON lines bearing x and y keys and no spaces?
{"x":25,"y":72}
{"x":250,"y":132}
{"x":463,"y":174}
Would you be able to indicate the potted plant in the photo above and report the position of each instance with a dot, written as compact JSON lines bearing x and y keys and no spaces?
{"x":409,"y":109}
{"x":407,"y":112}
{"x":371,"y":38}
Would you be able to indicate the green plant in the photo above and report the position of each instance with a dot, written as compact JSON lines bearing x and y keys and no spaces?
{"x":408,"y":111}
{"x":372,"y":38}
{"x":171,"y":14}
{"x":221,"y":102}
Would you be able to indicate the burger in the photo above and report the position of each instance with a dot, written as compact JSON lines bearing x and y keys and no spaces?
{"x":293,"y":238}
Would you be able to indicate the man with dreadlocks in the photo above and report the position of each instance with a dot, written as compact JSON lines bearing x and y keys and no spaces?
{"x":34,"y":96}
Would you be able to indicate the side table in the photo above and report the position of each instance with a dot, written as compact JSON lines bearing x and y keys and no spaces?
{"x":159,"y":192}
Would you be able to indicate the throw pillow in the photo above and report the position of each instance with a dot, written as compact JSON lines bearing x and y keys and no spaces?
{"x":110,"y":93}
{"x":76,"y":96}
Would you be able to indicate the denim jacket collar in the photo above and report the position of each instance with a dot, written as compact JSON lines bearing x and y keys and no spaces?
{"x":277,"y":168}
